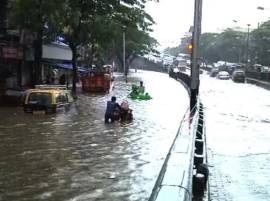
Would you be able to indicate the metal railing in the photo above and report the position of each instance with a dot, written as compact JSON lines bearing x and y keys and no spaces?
{"x":184,"y":173}
{"x":175,"y":177}
{"x":262,"y":76}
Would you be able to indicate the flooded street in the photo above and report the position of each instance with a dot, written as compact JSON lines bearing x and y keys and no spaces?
{"x":74,"y":156}
{"x":238,"y":122}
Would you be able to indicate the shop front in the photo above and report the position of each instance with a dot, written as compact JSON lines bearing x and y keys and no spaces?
{"x":10,"y":73}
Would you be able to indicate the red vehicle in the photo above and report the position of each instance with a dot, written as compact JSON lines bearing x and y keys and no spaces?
{"x":98,"y":82}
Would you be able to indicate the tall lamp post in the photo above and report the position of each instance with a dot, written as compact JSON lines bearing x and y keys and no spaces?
{"x":241,"y":39}
{"x":124,"y":52}
{"x":194,"y":84}
{"x":261,"y":8}
{"x":248,"y":35}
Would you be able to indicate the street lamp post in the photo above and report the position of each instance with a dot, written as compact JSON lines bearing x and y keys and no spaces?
{"x":241,"y":39}
{"x":261,"y":8}
{"x":194,"y":84}
{"x":124,"y":52}
{"x":248,"y":35}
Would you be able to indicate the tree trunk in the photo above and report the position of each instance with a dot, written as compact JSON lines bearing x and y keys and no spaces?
{"x":120,"y":60}
{"x":74,"y":67}
{"x":38,"y":57}
{"x":3,"y":16}
{"x":91,"y":56}
{"x":129,"y":60}
{"x":19,"y":74}
{"x":38,"y":45}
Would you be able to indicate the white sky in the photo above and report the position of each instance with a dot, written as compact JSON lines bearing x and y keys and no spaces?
{"x":174,"y":17}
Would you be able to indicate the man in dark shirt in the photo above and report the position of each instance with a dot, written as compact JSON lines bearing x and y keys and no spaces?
{"x":62,"y":79}
{"x":112,"y":108}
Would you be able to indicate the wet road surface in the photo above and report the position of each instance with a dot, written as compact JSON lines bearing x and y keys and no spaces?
{"x":74,"y":156}
{"x":237,"y":123}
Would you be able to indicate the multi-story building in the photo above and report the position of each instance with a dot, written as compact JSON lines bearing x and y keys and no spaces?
{"x":11,"y":52}
{"x":17,"y":67}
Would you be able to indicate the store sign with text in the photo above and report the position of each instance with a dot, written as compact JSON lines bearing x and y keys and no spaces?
{"x":12,"y":53}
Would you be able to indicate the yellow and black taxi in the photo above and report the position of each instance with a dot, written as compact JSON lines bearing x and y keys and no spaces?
{"x":46,"y":99}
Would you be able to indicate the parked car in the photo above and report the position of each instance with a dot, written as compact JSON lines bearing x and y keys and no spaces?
{"x":213,"y":72}
{"x":176,"y":70}
{"x":223,"y":75}
{"x":238,"y":76}
{"x":46,"y":99}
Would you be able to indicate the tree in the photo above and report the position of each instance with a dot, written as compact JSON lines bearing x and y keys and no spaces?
{"x":226,"y":46}
{"x":87,"y":22}
{"x":229,"y":45}
{"x":136,"y":24}
{"x":260,"y":44}
{"x":209,"y":46}
{"x":75,"y":24}
{"x":36,"y":15}
{"x":174,"y":51}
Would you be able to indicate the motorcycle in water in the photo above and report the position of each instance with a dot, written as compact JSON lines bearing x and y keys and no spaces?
{"x":124,"y":114}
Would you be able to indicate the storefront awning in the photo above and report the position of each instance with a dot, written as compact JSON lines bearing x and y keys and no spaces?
{"x":67,"y":66}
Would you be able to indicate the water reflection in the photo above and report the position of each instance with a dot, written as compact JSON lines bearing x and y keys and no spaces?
{"x":238,"y":140}
{"x":75,"y":156}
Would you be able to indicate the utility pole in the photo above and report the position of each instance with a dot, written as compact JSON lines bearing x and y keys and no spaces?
{"x":124,"y":53}
{"x":195,"y":71}
{"x":248,"y":43}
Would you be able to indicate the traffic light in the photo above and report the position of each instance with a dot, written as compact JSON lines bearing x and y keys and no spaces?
{"x":189,"y":48}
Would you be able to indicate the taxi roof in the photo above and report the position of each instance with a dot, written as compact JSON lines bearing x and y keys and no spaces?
{"x":45,"y":90}
{"x":48,"y":89}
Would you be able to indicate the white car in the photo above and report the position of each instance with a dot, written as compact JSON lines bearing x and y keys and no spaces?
{"x":176,"y":70}
{"x":223,"y":75}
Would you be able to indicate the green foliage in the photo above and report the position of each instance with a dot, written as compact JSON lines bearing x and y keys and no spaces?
{"x":231,"y":46}
{"x":35,"y":14}
{"x":260,"y":44}
{"x":226,"y":46}
{"x":174,"y":51}
{"x":97,"y":25}
{"x":136,"y":24}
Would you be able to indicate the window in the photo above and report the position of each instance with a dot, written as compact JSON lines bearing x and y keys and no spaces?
{"x":62,"y":98}
{"x":40,"y":98}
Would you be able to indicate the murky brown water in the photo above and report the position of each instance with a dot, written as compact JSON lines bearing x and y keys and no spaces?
{"x":74,"y":156}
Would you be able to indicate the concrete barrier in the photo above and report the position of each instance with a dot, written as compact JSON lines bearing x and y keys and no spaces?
{"x":260,"y":83}
{"x":184,"y":174}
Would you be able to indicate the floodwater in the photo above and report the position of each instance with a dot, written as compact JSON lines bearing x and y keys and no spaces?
{"x":238,"y":136}
{"x":74,"y":156}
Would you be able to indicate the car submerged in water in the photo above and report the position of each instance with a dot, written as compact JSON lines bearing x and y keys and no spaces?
{"x":223,"y":75}
{"x":46,"y":99}
{"x":238,"y":76}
